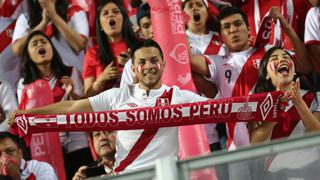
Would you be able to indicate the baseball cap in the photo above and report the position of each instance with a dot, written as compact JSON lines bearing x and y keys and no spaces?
{"x":143,"y":10}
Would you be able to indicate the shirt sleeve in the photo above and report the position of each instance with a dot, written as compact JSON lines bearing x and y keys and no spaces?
{"x":317,"y":109}
{"x":212,"y":69}
{"x":89,"y":69}
{"x":8,"y":101}
{"x":312,"y":26}
{"x":105,"y":100}
{"x":79,"y":22}
{"x":127,"y":74}
{"x":22,"y":27}
{"x":43,"y":170}
{"x":190,"y":97}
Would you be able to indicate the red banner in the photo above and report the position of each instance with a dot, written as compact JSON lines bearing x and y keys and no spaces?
{"x":257,"y":107}
{"x":44,"y":146}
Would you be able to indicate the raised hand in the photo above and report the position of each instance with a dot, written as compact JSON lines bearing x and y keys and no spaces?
{"x":296,"y":94}
{"x":123,"y":58}
{"x":110,"y":72}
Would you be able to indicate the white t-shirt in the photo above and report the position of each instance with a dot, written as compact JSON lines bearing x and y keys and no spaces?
{"x":40,"y":170}
{"x":77,"y":21}
{"x":8,"y":102}
{"x":127,"y":74}
{"x":297,"y":159}
{"x":164,"y":143}
{"x":312,"y":26}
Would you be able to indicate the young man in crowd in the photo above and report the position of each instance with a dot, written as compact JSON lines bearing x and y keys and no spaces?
{"x":136,"y":149}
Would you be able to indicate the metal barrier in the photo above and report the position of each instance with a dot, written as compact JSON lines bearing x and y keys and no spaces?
{"x":251,"y":157}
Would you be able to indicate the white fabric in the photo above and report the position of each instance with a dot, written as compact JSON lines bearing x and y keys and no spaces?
{"x":41,"y":170}
{"x":165,"y":142}
{"x":297,"y":159}
{"x":312,"y":26}
{"x":200,"y":43}
{"x":78,"y":22}
{"x":127,"y":74}
{"x":9,"y":63}
{"x":8,"y":102}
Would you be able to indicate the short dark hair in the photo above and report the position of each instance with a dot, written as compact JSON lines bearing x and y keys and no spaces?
{"x":14,"y":138}
{"x":143,"y":11}
{"x":229,"y":11}
{"x":145,"y":43}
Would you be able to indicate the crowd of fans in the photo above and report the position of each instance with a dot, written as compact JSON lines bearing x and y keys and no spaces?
{"x":51,"y":40}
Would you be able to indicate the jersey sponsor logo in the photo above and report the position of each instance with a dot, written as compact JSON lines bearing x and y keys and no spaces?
{"x":256,"y":63}
{"x":180,"y":53}
{"x":245,"y":112}
{"x":22,"y":123}
{"x":132,"y":105}
{"x":266,"y":106}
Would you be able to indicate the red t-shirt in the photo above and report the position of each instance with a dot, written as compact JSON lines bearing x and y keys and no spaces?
{"x":92,"y":66}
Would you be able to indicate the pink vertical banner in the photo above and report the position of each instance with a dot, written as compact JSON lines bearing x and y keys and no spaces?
{"x":44,"y":146}
{"x":169,"y":31}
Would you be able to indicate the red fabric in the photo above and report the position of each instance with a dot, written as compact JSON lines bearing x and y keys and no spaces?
{"x":43,"y":145}
{"x":299,"y":16}
{"x":5,"y":36}
{"x":92,"y":67}
{"x":8,"y":8}
{"x":245,"y":82}
{"x":214,"y":45}
{"x":213,"y":111}
{"x":31,"y":177}
{"x":284,"y":129}
{"x":144,"y":140}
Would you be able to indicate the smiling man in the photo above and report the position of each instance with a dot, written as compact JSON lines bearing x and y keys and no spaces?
{"x":136,"y":149}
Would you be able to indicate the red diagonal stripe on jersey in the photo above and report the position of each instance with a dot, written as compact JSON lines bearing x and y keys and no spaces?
{"x":5,"y":38}
{"x":143,"y":141}
{"x":284,"y":128}
{"x":245,"y":82}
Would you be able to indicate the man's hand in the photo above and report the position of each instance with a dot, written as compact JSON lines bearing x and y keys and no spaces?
{"x":9,"y":167}
{"x":81,"y":173}
{"x":2,"y":116}
{"x":12,"y":116}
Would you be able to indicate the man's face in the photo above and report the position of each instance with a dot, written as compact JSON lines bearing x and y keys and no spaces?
{"x":148,"y":67}
{"x":104,"y":143}
{"x":197,"y":11}
{"x":146,"y":27}
{"x":234,"y":33}
{"x":10,"y":153}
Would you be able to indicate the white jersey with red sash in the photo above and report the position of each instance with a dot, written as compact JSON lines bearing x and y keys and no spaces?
{"x":34,"y":170}
{"x":293,"y":127}
{"x":77,"y":20}
{"x":9,"y":64}
{"x":138,"y":149}
{"x":235,"y":74}
{"x":207,"y":44}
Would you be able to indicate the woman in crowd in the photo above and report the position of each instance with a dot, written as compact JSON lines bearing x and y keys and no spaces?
{"x":104,"y":62}
{"x":42,"y":61}
{"x":277,"y":71}
{"x":65,"y":24}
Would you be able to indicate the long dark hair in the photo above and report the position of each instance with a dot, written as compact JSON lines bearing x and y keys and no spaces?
{"x":105,"y":52}
{"x":264,"y":84}
{"x":35,"y":13}
{"x":30,"y":71}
